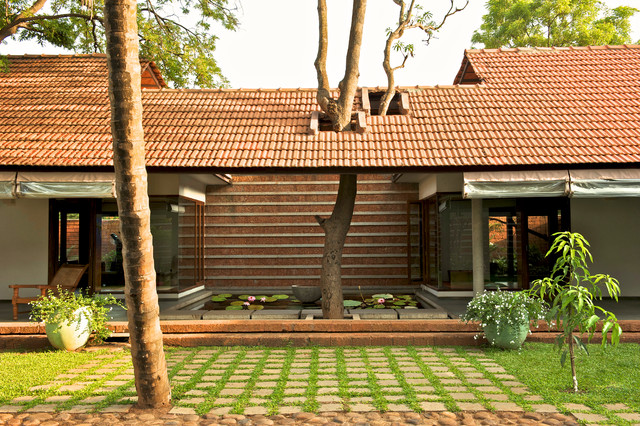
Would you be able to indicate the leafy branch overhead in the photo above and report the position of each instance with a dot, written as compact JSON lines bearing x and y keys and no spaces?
{"x":546,"y":23}
{"x":184,"y":53}
{"x":411,"y":16}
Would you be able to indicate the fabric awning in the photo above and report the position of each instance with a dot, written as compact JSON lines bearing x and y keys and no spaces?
{"x":547,"y":183}
{"x":605,"y":183}
{"x":65,"y":185}
{"x":7,"y":185}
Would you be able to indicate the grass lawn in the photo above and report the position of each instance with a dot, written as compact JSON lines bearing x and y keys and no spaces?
{"x":605,"y":376}
{"x":249,"y":378}
{"x":23,"y":370}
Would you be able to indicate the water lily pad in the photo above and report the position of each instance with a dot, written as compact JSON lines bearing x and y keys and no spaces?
{"x":233,"y":308}
{"x":256,"y":307}
{"x":243,"y":296}
{"x":411,"y":307}
{"x":369,"y":300}
{"x":351,"y":303}
{"x":413,"y":303}
{"x":270,"y":299}
{"x":218,"y":299}
{"x":405,"y":296}
{"x":261,"y":296}
{"x":379,"y":306}
{"x":280,"y":296}
{"x":227,"y":295}
{"x":399,"y":303}
{"x":383,"y":296}
{"x":237,"y":303}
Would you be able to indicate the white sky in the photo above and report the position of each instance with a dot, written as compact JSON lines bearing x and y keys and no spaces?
{"x":276,"y":43}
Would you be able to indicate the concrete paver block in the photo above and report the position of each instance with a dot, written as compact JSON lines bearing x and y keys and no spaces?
{"x":398,"y":407}
{"x":462,"y":395}
{"x":10,"y":408}
{"x":506,"y":406}
{"x":255,"y":410}
{"x":470,"y":406}
{"x":616,"y":407}
{"x":362,"y":408}
{"x":544,"y":408}
{"x":576,"y":407}
{"x":117,"y":409}
{"x":631,"y":417}
{"x":589,"y":417}
{"x":42,"y":408}
{"x":433,"y":406}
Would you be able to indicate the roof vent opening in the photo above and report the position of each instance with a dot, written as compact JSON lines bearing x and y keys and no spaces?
{"x":399,"y":104}
{"x":320,"y":122}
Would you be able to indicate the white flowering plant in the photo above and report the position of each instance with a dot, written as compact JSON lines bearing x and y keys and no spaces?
{"x":511,"y":308}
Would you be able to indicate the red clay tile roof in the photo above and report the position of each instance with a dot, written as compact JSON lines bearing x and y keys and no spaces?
{"x":55,"y":112}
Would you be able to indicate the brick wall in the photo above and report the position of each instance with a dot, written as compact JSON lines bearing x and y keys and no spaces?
{"x":261,"y":231}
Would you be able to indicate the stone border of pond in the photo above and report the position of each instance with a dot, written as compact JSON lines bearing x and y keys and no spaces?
{"x":192,"y":309}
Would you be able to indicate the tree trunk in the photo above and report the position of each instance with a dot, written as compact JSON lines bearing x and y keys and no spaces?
{"x":150,"y":369}
{"x":335,"y":230}
{"x":572,"y":359}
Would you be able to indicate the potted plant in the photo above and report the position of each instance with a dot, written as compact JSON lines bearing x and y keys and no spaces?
{"x":504,"y":316}
{"x":72,"y":318}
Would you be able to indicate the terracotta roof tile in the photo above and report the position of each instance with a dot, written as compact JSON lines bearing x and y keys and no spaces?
{"x":535,"y":106}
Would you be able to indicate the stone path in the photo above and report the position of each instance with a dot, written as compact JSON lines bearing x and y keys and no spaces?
{"x":216,"y":384}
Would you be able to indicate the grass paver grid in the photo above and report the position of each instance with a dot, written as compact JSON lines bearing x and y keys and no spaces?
{"x":271,"y":381}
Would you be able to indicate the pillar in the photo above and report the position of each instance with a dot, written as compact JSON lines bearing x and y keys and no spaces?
{"x":477,"y":243}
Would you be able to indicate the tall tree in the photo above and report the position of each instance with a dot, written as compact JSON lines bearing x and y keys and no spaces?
{"x":149,"y":365}
{"x":410,"y":16}
{"x":546,"y":23}
{"x":338,"y":111}
{"x":183,"y":53}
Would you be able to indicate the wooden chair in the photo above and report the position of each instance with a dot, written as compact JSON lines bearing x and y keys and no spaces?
{"x":67,"y":278}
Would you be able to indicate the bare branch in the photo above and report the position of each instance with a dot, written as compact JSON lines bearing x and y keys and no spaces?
{"x":405,"y":22}
{"x":324,"y":95}
{"x":349,"y":83}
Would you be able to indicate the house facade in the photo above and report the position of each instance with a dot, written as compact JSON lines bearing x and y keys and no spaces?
{"x":460,"y":187}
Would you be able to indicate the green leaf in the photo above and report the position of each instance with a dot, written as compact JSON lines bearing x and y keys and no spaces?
{"x":280,"y":296}
{"x":256,"y":307}
{"x":351,"y":303}
{"x":218,"y":299}
{"x":382,"y":296}
{"x":270,"y":299}
{"x":243,"y":296}
{"x":563,"y":358}
{"x":237,"y":303}
{"x":592,"y":321}
{"x":233,"y":308}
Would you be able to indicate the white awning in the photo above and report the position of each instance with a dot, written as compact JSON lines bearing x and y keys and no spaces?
{"x":65,"y":185}
{"x":547,"y":183}
{"x":7,"y":185}
{"x":605,"y":183}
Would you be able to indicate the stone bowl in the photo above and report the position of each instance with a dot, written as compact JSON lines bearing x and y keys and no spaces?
{"x":306,"y":293}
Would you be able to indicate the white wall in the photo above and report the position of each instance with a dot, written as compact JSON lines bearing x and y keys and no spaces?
{"x":612,"y":227}
{"x":24,"y":253}
{"x":442,"y":182}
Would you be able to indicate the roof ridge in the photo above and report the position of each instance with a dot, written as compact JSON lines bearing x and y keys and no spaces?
{"x":553,"y":48}
{"x":311,"y":89}
{"x":64,"y":55}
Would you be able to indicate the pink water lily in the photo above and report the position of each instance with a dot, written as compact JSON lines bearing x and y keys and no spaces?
{"x":251,"y":299}
{"x":381,"y":301}
{"x":246,"y":303}
{"x":263,"y":299}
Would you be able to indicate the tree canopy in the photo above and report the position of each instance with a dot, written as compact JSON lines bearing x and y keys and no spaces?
{"x":546,"y":23}
{"x":184,"y":53}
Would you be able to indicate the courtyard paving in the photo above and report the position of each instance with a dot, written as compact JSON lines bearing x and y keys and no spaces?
{"x":224,"y":382}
